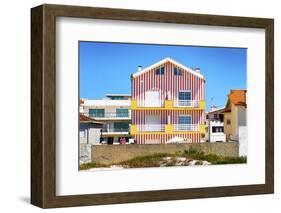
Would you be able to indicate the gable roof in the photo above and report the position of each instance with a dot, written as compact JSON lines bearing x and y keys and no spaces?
{"x":217,"y":110}
{"x":86,"y":119}
{"x":164,"y":61}
{"x":236,"y":97}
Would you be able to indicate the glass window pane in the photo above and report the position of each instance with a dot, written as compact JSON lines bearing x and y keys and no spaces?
{"x":122,"y":113}
{"x":157,"y":72}
{"x":184,"y":119}
{"x":177,"y":71}
{"x":96,"y":112}
{"x":185,"y":95}
{"x":121,"y":126}
{"x":162,"y":70}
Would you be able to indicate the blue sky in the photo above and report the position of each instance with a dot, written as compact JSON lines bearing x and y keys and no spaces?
{"x":106,"y":67}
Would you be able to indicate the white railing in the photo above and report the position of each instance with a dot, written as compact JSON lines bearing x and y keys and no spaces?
{"x":109,"y":115}
{"x":186,"y":127}
{"x":151,"y":103}
{"x":186,"y":103}
{"x":151,"y":128}
{"x":115,"y":130}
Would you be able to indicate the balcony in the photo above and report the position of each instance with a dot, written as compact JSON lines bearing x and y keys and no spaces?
{"x":185,"y":127}
{"x":110,"y":116}
{"x":168,"y":105}
{"x":151,"y":103}
{"x":186,"y":103}
{"x":151,"y":128}
{"x":166,"y":128}
{"x":115,"y":131}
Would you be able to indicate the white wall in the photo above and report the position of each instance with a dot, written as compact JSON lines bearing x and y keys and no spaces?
{"x":243,"y":140}
{"x":242,"y":116}
{"x":15,"y":85}
{"x":94,"y":135}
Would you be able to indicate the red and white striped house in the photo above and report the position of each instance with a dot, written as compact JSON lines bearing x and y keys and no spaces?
{"x":168,"y":104}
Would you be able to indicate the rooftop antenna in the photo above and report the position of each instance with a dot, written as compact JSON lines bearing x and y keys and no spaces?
{"x":212,"y":102}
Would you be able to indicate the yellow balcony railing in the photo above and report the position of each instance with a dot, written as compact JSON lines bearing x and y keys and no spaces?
{"x":202,"y":128}
{"x":167,"y":129}
{"x":170,"y":105}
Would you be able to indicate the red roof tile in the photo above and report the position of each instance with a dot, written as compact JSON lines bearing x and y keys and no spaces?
{"x":237,"y":97}
{"x":85,"y":118}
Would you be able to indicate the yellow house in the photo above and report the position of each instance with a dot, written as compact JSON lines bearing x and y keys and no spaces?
{"x":235,"y":113}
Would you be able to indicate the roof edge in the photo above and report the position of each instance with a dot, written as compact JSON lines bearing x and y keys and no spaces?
{"x":164,"y":61}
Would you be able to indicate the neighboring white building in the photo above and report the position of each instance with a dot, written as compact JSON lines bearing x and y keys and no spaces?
{"x":89,"y":130}
{"x":114,"y":112}
{"x":215,"y":125}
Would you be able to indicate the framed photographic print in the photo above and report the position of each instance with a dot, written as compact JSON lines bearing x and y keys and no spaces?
{"x":136,"y":106}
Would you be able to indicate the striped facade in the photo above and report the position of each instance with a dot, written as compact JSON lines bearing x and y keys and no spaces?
{"x":169,"y":107}
{"x":168,"y":84}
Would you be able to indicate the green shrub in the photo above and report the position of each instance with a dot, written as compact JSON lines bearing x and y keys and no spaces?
{"x":155,"y":160}
{"x":145,"y":161}
{"x":86,"y":166}
{"x":212,"y":158}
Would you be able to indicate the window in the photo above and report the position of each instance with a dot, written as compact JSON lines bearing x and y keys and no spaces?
{"x":118,"y":98}
{"x":217,"y":129}
{"x":82,"y":133}
{"x":228,"y":122}
{"x":96,"y":112}
{"x":177,"y":71}
{"x":121,"y":127}
{"x":122,"y":113}
{"x":221,"y":117}
{"x":160,"y":71}
{"x":207,"y":116}
{"x":216,"y":116}
{"x":185,"y":95}
{"x":185,"y":123}
{"x":184,"y":119}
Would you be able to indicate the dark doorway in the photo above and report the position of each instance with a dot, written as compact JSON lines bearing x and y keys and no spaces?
{"x":110,"y":140}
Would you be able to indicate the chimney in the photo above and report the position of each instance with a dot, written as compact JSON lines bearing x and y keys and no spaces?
{"x":197,"y":70}
{"x":139,"y":68}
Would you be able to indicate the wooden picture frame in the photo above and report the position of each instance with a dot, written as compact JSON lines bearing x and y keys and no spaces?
{"x":43,"y":105}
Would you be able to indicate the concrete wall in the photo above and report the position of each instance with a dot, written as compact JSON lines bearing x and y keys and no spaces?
{"x":83,"y":130}
{"x":243,"y":141}
{"x":242,"y":116}
{"x":94,"y":136}
{"x":85,"y":153}
{"x":110,"y":154}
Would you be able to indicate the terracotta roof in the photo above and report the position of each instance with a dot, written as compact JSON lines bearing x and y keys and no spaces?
{"x":236,"y":97}
{"x":86,"y":119}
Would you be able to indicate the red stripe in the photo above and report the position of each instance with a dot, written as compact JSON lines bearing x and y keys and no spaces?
{"x":167,"y":84}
